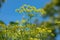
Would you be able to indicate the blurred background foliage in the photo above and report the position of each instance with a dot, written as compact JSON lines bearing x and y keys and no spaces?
{"x":1,"y":2}
{"x":26,"y":30}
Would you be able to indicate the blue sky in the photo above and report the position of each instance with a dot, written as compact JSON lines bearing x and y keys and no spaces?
{"x":7,"y":12}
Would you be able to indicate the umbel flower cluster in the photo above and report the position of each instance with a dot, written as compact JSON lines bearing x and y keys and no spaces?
{"x":29,"y":9}
{"x":27,"y":32}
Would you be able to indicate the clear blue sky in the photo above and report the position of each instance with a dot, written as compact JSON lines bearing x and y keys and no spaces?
{"x":7,"y":12}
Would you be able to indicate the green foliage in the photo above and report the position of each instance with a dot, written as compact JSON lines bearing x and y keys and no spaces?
{"x":24,"y":32}
{"x":1,"y":1}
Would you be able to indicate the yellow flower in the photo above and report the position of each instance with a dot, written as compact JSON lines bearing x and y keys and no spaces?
{"x":15,"y":34}
{"x":52,"y":34}
{"x":36,"y":39}
{"x":43,"y":29}
{"x":34,"y":9}
{"x":42,"y":11}
{"x":49,"y":31}
{"x":22,"y":8}
{"x":39,"y":29}
{"x":39,"y":10}
{"x":30,"y":38}
{"x":23,"y":21}
{"x":28,"y":10}
{"x":56,"y":21}
{"x":5,"y":31}
{"x":17,"y":10}
{"x":20,"y":11}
